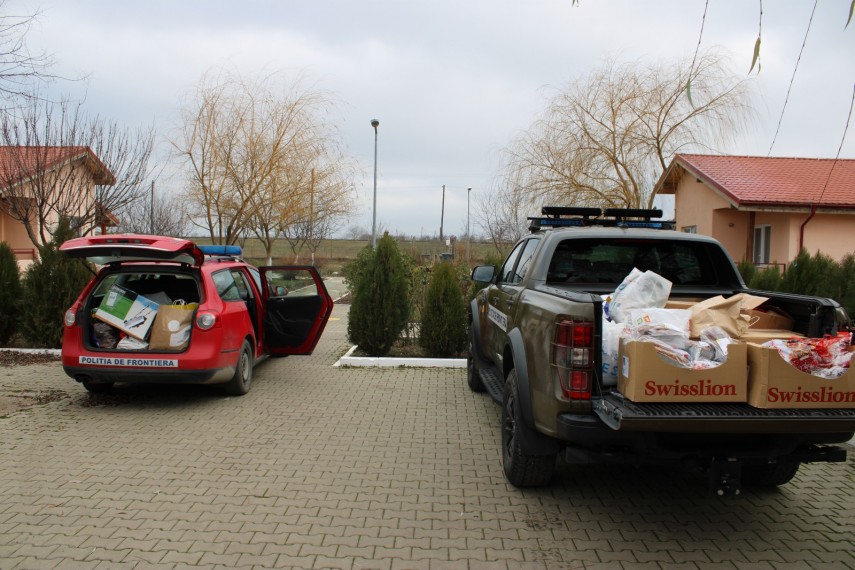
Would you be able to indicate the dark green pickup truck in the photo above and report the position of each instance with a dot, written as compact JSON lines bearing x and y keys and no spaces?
{"x":536,"y":348}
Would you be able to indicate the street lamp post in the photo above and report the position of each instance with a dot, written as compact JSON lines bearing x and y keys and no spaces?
{"x":374,"y":123}
{"x":468,"y":237}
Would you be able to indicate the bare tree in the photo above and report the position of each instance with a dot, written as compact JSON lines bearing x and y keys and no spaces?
{"x":21,"y":71}
{"x":158,"y":214}
{"x":49,"y":147}
{"x":502,"y":214}
{"x":254,"y":151}
{"x":606,"y":139}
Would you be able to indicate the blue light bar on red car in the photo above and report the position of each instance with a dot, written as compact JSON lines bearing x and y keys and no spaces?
{"x":231,"y":250}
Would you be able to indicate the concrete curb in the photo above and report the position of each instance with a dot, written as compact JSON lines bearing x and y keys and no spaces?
{"x":387,"y":362}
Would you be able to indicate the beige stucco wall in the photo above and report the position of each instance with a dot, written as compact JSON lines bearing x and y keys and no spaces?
{"x":832,"y":234}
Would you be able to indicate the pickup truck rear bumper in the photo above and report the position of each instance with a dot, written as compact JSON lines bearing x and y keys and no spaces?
{"x":587,"y":438}
{"x":620,"y":414}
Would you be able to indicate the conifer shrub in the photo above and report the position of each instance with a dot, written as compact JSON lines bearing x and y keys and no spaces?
{"x":812,"y":275}
{"x":10,"y":292}
{"x":443,"y":325}
{"x":747,"y":269}
{"x":380,"y":306}
{"x":353,"y":271}
{"x":766,"y":279}
{"x":847,"y":281}
{"x":50,"y":285}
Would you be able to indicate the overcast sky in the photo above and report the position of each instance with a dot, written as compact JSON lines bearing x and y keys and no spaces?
{"x":451,"y":81}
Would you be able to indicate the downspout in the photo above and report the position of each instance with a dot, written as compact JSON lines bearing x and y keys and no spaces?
{"x":802,"y":228}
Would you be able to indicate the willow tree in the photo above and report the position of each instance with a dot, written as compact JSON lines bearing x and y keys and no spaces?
{"x":606,"y":138}
{"x":250,"y":148}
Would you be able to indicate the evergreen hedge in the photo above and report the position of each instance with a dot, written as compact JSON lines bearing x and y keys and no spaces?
{"x":10,"y":292}
{"x":50,"y":285}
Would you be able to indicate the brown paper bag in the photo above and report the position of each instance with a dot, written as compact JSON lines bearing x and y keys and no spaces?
{"x":171,"y":327}
{"x":730,"y":314}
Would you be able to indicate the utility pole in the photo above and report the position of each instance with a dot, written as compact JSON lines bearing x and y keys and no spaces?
{"x":442,"y":216}
{"x":468,"y":237}
{"x":151,"y":221}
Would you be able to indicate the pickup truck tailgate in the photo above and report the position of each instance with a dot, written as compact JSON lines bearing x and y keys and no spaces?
{"x":621,"y":414}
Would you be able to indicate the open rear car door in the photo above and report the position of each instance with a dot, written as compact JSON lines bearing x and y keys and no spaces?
{"x":297,"y":308}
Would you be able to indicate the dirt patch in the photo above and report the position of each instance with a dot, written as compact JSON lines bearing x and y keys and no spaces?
{"x":17,"y":401}
{"x":408,"y":349}
{"x":10,"y":358}
{"x":12,"y":401}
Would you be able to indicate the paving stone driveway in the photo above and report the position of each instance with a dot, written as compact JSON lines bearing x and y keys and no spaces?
{"x":361,"y":468}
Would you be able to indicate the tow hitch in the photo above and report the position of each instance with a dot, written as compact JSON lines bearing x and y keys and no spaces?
{"x":726,"y":477}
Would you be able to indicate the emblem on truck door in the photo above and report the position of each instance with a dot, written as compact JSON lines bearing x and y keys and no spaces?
{"x":498,"y":317}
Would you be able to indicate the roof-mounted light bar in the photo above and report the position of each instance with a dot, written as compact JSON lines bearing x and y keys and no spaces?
{"x":560,"y":216}
{"x":227,"y":250}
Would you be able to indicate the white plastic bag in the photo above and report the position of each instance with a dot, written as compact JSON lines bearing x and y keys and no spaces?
{"x":611,"y":345}
{"x":651,"y":319}
{"x":638,"y":290}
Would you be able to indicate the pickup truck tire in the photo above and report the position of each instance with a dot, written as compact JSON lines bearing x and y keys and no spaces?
{"x":770,"y":475}
{"x":522,"y":469}
{"x":473,"y":379}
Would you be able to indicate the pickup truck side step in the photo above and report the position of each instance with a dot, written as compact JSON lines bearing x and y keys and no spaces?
{"x":493,"y":382}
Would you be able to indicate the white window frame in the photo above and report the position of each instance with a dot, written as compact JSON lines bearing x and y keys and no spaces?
{"x":762,"y":244}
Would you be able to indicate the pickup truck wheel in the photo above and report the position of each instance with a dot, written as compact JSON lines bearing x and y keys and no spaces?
{"x":770,"y":475}
{"x":473,"y":379}
{"x":242,"y":380}
{"x":522,"y":469}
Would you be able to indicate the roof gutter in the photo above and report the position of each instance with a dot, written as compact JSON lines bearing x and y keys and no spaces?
{"x":802,"y":228}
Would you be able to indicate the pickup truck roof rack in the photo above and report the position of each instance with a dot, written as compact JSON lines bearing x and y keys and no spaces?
{"x":562,"y":216}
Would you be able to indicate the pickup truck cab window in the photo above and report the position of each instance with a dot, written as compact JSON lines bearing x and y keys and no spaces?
{"x":518,"y":262}
{"x":524,"y":261}
{"x":507,"y":269}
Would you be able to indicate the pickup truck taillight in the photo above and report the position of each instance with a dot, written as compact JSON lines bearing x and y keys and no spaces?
{"x":572,"y":358}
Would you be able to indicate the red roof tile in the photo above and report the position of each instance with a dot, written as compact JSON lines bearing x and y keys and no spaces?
{"x":773,"y":181}
{"x":20,"y":162}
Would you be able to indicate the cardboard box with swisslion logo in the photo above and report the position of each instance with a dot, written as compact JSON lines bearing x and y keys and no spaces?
{"x":775,"y":383}
{"x":646,"y":377}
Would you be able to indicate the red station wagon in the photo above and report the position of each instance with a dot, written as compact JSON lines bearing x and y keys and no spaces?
{"x":164,"y":309}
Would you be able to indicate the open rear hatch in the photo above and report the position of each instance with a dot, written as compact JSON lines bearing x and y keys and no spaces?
{"x":621,"y":414}
{"x":105,"y":249}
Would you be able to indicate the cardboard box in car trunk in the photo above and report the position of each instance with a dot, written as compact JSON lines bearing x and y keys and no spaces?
{"x":129,"y":312}
{"x":775,"y":383}
{"x":770,"y":319}
{"x":646,"y":377}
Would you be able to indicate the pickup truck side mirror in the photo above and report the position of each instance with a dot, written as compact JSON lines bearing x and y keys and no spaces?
{"x":484,"y":273}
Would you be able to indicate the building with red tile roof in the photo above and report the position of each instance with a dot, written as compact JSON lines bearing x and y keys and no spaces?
{"x":32,"y":173}
{"x":765,"y":209}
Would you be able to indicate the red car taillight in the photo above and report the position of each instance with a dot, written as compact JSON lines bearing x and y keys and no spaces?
{"x":572,"y":358}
